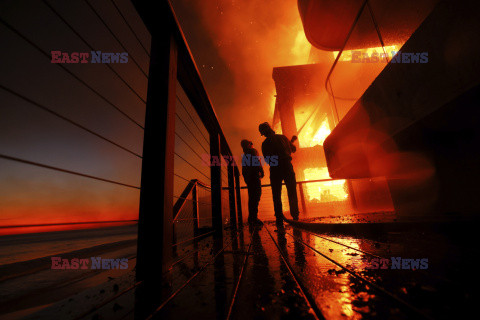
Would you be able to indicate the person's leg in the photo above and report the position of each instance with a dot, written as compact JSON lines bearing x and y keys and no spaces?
{"x":276,"y":182}
{"x":258,"y":194}
{"x":291,"y":184}
{"x":251,"y":202}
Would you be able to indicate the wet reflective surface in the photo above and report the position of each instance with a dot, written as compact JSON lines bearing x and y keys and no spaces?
{"x":290,"y":273}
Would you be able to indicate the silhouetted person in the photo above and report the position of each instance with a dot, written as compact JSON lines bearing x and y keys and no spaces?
{"x":252,"y":172}
{"x":278,"y":147}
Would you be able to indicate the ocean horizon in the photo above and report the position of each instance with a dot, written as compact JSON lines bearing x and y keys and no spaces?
{"x":33,"y":242}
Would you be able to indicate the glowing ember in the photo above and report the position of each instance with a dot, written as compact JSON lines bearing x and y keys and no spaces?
{"x":347,"y":54}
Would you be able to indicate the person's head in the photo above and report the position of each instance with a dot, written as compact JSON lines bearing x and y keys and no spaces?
{"x":246,"y":144}
{"x":265,"y":129}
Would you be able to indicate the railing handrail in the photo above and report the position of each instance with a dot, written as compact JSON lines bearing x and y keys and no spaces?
{"x":298,"y":182}
{"x":172,"y":65}
{"x":188,"y":73}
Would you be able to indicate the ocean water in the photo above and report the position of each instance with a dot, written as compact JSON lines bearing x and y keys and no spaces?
{"x":44,"y":241}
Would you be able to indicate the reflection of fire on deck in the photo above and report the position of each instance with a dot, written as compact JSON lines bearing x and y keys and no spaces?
{"x":304,"y":110}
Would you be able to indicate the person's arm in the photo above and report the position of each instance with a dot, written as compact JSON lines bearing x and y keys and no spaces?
{"x":262,"y":173}
{"x":245,"y":171}
{"x":289,"y":143}
{"x":292,"y":146}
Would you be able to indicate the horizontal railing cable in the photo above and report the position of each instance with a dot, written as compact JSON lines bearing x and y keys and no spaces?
{"x":192,"y":165}
{"x":191,"y":118}
{"x":91,"y":48}
{"x":193,"y":135}
{"x":130,"y":27}
{"x":66,"y":171}
{"x":188,"y":145}
{"x":179,"y":176}
{"x":68,"y":120}
{"x":116,"y":38}
{"x":14,"y":30}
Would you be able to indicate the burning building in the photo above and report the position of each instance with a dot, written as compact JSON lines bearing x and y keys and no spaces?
{"x":398,"y":123}
{"x":364,"y":122}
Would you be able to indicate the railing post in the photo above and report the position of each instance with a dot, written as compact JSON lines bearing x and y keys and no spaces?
{"x":238,"y":196}
{"x":216,"y":181}
{"x":154,"y":247}
{"x":195,"y":210}
{"x":231,"y":194}
{"x":302,"y":197}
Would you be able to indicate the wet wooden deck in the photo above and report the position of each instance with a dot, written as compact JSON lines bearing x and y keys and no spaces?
{"x":293,"y":273}
{"x":290,"y":273}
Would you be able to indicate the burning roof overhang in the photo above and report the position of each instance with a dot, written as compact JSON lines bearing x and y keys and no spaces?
{"x":365,"y":143}
{"x":301,"y":86}
{"x":327,"y":22}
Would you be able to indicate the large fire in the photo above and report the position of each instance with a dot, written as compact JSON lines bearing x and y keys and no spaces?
{"x":308,"y":138}
{"x":312,"y":135}
{"x":327,"y":191}
{"x":347,"y":54}
{"x":301,"y":48}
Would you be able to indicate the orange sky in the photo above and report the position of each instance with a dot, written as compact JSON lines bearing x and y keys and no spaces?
{"x":235,"y":44}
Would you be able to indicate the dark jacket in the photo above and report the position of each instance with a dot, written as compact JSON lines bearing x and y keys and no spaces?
{"x":278,"y":145}
{"x":250,"y":168}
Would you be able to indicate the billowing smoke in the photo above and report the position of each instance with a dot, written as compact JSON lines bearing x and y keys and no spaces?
{"x":250,"y":37}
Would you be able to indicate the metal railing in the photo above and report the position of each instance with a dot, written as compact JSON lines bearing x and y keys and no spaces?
{"x":191,"y":216}
{"x":328,"y":82}
{"x":108,"y":109}
{"x":328,"y":198}
{"x":181,"y":122}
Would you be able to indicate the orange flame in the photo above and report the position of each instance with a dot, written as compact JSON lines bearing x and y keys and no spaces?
{"x":347,"y":54}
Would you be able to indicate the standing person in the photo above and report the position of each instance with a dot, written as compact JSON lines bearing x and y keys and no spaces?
{"x":252,"y":172}
{"x":278,"y":146}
